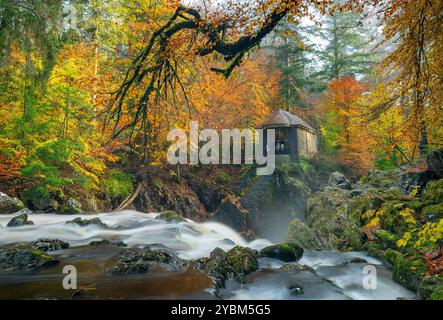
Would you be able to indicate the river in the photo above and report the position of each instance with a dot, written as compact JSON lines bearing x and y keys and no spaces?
{"x":334,"y":276}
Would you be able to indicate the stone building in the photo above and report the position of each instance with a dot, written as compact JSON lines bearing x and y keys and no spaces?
{"x":294,"y":138}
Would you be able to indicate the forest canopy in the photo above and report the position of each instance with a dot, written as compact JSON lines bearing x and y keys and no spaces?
{"x":83,"y":80}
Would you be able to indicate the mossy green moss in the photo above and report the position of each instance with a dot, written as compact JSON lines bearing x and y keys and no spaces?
{"x":242,"y":261}
{"x":170,"y":216}
{"x":385,"y":239}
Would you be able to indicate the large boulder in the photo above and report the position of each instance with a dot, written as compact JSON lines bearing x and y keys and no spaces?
{"x":338,"y":180}
{"x":47,"y":245}
{"x":20,"y":220}
{"x":434,"y":160}
{"x":231,"y":213}
{"x":287,"y":252}
{"x":25,"y":259}
{"x":137,"y":261}
{"x":221,"y":266}
{"x":9,"y":204}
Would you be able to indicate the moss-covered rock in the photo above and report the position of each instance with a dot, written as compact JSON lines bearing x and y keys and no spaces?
{"x":170,"y":216}
{"x":9,"y":204}
{"x":137,"y":261}
{"x":72,"y":206}
{"x":408,"y":270}
{"x":222,"y":266}
{"x":287,"y":252}
{"x":431,"y":288}
{"x":242,"y":261}
{"x":20,"y":220}
{"x":47,"y":245}
{"x":86,"y":222}
{"x":25,"y":259}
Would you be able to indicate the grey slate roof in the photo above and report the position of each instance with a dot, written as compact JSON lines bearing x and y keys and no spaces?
{"x":281,"y":118}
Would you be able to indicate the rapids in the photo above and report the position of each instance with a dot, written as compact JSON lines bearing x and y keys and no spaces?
{"x":334,"y":278}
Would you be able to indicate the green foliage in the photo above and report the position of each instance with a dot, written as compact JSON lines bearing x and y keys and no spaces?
{"x":118,"y":184}
{"x":222,"y":177}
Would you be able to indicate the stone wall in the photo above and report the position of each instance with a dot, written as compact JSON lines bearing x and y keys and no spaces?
{"x":307,"y":143}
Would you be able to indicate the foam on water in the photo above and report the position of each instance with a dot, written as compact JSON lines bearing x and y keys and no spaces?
{"x":190,"y":239}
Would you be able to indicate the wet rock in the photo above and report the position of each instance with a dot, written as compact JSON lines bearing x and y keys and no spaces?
{"x":136,"y":261}
{"x":231,"y":213}
{"x":434,"y":160}
{"x":242,"y":261}
{"x":338,"y":180}
{"x":287,"y":252}
{"x":221,"y":266}
{"x":9,"y":204}
{"x":170,"y":216}
{"x":47,"y":245}
{"x":105,"y":242}
{"x":20,"y":220}
{"x":216,"y":266}
{"x":296,"y":268}
{"x":86,"y":222}
{"x":72,"y":206}
{"x":22,"y":259}
{"x":296,"y":290}
{"x":354,"y":260}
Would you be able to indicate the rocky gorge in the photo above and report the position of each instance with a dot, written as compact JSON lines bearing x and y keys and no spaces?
{"x":304,"y":230}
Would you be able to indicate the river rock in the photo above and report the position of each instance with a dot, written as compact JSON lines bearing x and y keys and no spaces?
{"x":231,"y":213}
{"x":105,"y":242}
{"x":222,"y":266}
{"x":72,"y":206}
{"x":242,"y":261}
{"x":47,"y":245}
{"x":136,"y":261}
{"x":338,"y":180}
{"x":286,"y":252}
{"x":20,"y":220}
{"x":19,"y":259}
{"x":9,"y":204}
{"x":86,"y":222}
{"x":170,"y":216}
{"x":45,"y":204}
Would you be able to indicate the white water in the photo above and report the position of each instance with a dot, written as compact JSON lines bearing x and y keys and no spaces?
{"x":194,"y":240}
{"x":189,"y":239}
